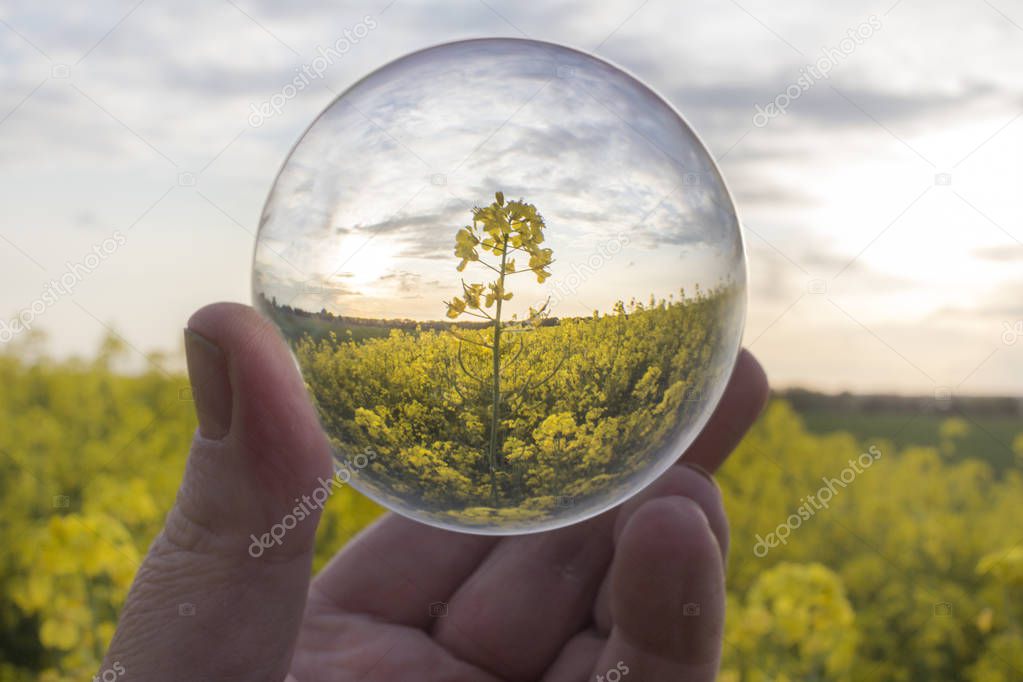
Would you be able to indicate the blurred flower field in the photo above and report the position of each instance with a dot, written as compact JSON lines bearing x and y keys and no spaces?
{"x":912,"y":571}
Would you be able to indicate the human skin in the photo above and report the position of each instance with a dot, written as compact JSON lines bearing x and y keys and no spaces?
{"x":638,"y":588}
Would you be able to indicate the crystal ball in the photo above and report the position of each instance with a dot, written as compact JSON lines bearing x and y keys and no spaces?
{"x":513,"y":280}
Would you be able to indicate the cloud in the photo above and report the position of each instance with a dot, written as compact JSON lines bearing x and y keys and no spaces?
{"x":411,"y":284}
{"x":594,"y":150}
{"x":182,"y":76}
{"x":1000,"y":254}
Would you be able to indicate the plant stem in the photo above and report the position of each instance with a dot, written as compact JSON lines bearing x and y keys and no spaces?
{"x":495,"y":414}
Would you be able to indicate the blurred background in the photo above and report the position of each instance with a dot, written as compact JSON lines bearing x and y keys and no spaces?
{"x":873,"y":153}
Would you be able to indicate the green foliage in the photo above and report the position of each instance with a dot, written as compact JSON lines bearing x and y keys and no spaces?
{"x":91,"y":460}
{"x":989,"y":435}
{"x":795,"y":623}
{"x":905,"y":538}
{"x":585,"y":404}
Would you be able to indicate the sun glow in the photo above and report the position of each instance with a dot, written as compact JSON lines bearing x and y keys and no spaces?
{"x":359,"y":264}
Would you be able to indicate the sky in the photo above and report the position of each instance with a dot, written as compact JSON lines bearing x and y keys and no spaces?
{"x":363,"y":216}
{"x":872,"y":150}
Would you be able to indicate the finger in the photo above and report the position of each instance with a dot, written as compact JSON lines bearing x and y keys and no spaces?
{"x":576,"y":658}
{"x":528,"y":597}
{"x":681,"y":480}
{"x":667,"y":596}
{"x":258,"y":448}
{"x":743,"y":401}
{"x":400,"y":571}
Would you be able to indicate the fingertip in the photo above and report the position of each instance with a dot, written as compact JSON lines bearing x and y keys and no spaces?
{"x":744,"y":399}
{"x":668,"y":529}
{"x":668,"y":583}
{"x":750,"y":374}
{"x":235,"y":327}
{"x":272,"y":418}
{"x":689,"y":482}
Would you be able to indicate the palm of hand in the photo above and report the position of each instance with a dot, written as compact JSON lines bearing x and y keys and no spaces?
{"x":408,"y":602}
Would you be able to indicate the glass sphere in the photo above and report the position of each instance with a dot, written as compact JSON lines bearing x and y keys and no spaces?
{"x":513,"y":279}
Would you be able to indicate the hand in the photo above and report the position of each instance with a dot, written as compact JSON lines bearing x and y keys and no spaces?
{"x":637,"y":589}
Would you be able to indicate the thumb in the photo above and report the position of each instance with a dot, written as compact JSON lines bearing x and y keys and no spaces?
{"x":221,"y":593}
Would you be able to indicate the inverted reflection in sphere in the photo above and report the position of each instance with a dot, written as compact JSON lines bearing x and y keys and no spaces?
{"x":513,"y":279}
